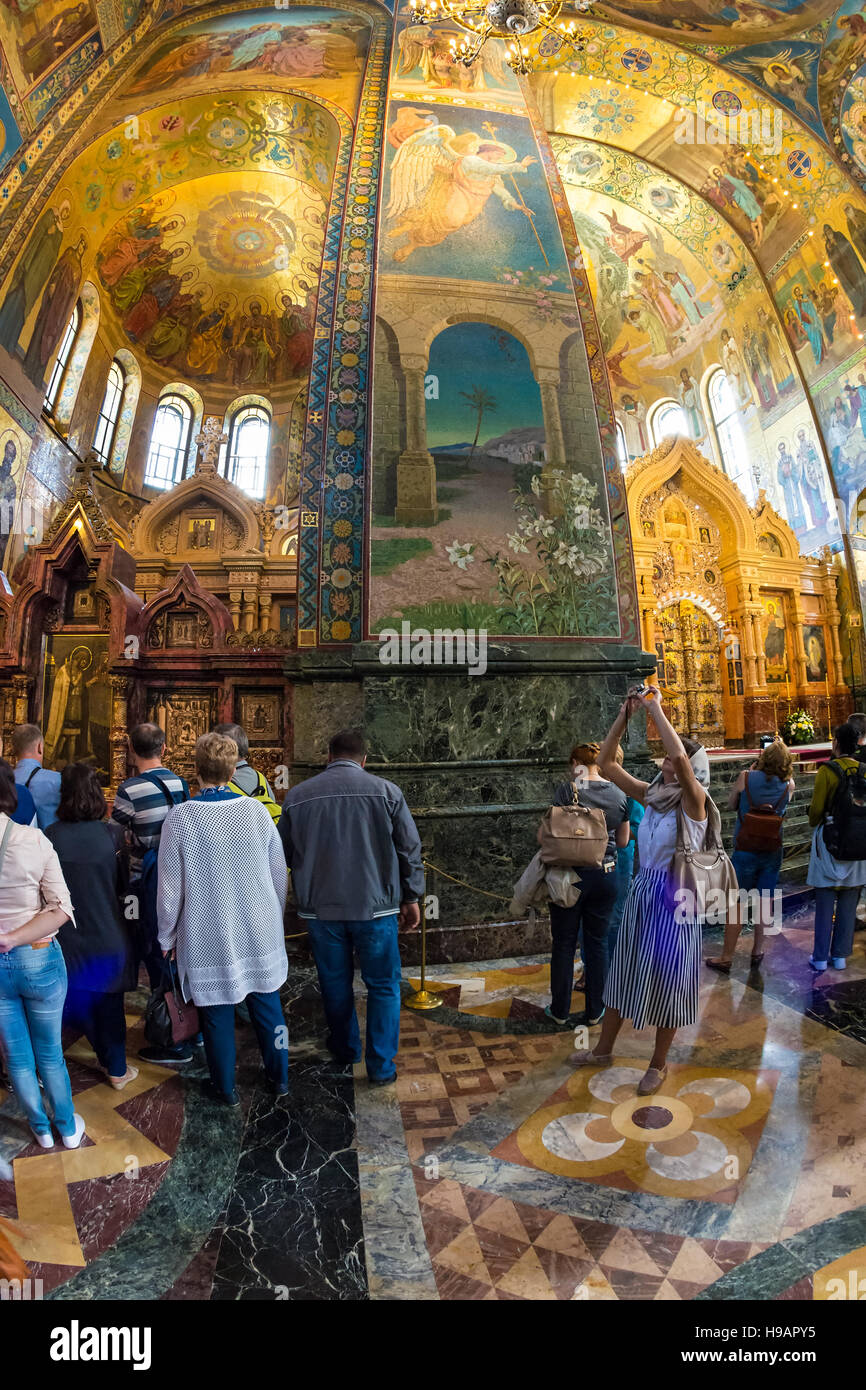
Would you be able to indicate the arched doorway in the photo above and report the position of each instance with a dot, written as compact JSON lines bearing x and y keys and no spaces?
{"x":688,"y":644}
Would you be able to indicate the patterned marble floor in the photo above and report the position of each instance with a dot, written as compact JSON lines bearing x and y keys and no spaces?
{"x":492,"y":1170}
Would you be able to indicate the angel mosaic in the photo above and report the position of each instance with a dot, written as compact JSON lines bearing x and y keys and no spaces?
{"x":441,"y":182}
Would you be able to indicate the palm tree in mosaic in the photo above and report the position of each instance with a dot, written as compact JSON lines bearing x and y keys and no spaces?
{"x":481,"y":401}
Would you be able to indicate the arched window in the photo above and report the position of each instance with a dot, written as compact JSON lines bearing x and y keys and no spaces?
{"x":169,"y":442}
{"x":56,"y":379}
{"x":621,"y":446}
{"x":109,"y":413}
{"x":666,"y":418}
{"x":731,"y":444}
{"x":246,"y":462}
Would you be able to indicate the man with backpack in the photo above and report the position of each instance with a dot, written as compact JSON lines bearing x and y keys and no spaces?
{"x":28,"y":746}
{"x":837,"y":865}
{"x":246,"y":780}
{"x":141,"y":806}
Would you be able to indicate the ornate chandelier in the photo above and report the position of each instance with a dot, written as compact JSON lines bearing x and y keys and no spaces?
{"x":529,"y":27}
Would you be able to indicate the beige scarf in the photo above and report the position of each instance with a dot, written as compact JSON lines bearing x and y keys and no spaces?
{"x":668,"y":796}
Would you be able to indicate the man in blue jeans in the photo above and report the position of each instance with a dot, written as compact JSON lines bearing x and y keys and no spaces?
{"x":355,"y":856}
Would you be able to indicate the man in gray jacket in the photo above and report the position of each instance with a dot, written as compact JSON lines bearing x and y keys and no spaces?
{"x":355,"y":856}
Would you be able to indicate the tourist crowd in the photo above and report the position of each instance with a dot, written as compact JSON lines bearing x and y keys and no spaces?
{"x":191,"y":890}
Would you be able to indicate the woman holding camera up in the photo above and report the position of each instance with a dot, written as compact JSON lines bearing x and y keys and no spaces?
{"x":654,"y":974}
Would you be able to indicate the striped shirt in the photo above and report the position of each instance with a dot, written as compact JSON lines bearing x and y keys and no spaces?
{"x":142,"y":807}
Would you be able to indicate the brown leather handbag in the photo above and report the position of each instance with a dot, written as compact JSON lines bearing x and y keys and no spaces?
{"x":573,"y":835}
{"x":760,"y":829}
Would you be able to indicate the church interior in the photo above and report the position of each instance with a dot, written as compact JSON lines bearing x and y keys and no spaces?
{"x":281,"y":286}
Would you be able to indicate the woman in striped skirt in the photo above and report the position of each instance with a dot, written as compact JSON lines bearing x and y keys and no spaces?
{"x":655,"y":971}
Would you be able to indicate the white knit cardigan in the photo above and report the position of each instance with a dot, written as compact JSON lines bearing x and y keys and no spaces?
{"x":220,"y":899}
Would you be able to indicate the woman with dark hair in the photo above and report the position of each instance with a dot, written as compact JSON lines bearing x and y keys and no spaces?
{"x":34,"y":904}
{"x":99,"y":955}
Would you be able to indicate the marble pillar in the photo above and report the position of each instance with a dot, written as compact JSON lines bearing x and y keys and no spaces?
{"x":477,"y":758}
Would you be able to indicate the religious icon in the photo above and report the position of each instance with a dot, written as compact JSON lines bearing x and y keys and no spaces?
{"x":260,"y":716}
{"x":9,"y":459}
{"x":32,"y":272}
{"x":182,"y":630}
{"x":774,"y":641}
{"x":704,"y":534}
{"x":79,"y":703}
{"x":81,"y":604}
{"x":201,"y":532}
{"x":816,"y":653}
{"x":55,"y":311}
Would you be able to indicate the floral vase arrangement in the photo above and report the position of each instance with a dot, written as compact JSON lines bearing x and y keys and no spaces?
{"x":798,"y":727}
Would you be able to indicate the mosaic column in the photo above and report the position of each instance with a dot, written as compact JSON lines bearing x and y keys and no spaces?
{"x":799,"y":662}
{"x":743,"y":625}
{"x":21,"y":688}
{"x":117,"y":737}
{"x":548,"y":384}
{"x":834,"y":621}
{"x":264,"y":610}
{"x":760,"y":659}
{"x":416,"y":470}
{"x":139,"y":444}
{"x":248,"y":616}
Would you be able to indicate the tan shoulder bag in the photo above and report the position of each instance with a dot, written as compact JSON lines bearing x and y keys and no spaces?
{"x":701,"y":880}
{"x":573,"y":835}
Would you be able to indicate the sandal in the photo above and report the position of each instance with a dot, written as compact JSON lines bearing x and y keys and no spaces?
{"x":652,"y":1080}
{"x":756,"y":960}
{"x":585,"y":1057}
{"x":716,"y":963}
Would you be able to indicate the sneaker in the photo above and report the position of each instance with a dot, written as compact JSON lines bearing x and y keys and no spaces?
{"x":344,"y":1059}
{"x":383,"y":1080}
{"x":166,"y":1056}
{"x":839,"y":963}
{"x":562,"y":1022}
{"x":45,"y":1141}
{"x":277,"y":1088}
{"x":817,"y":965}
{"x":73,"y":1141}
{"x":585,"y":1020}
{"x":214,"y":1093}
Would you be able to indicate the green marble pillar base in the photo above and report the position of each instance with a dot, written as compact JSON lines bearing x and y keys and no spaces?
{"x":477,"y":758}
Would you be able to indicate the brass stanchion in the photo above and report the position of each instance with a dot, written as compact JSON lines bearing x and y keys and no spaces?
{"x":422,"y":998}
